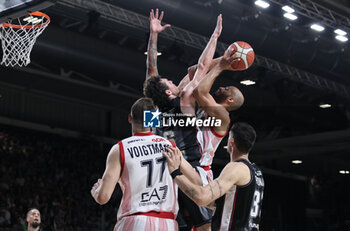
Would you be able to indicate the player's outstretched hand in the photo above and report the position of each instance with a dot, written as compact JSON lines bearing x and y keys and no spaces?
{"x":155,"y":22}
{"x":173,"y":157}
{"x":218,"y":28}
{"x":227,"y":60}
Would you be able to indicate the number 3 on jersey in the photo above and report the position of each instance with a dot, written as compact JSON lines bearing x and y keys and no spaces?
{"x":256,"y":204}
{"x":149,"y":165}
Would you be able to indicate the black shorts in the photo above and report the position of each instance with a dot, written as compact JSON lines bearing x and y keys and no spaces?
{"x":190,"y":214}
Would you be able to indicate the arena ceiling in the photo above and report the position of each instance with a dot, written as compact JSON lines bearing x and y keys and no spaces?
{"x":93,"y":51}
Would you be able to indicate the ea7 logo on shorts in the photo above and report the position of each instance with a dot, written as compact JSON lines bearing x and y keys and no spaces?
{"x":151,"y":119}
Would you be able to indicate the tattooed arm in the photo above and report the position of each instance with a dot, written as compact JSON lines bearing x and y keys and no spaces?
{"x":155,"y":28}
{"x":234,"y":173}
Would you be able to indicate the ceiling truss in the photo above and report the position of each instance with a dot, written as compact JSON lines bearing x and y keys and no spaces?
{"x":140,"y":22}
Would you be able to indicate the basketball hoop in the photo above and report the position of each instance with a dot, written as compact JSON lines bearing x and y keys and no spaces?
{"x":18,"y":37}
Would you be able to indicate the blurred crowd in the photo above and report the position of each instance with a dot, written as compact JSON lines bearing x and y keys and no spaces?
{"x":54,"y":174}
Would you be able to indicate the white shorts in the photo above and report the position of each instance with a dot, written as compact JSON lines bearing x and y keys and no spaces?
{"x":206,"y":175}
{"x":147,"y":223}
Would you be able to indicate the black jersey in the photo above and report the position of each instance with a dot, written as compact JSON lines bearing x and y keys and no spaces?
{"x":240,"y":208}
{"x":184,"y":137}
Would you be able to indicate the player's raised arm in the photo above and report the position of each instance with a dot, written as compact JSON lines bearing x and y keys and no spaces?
{"x":204,"y":63}
{"x":206,"y":100}
{"x":233,"y":173}
{"x":102,"y":190}
{"x":192,"y":70}
{"x":156,"y":27}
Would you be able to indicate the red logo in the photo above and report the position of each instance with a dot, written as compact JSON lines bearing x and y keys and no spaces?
{"x":158,"y":140}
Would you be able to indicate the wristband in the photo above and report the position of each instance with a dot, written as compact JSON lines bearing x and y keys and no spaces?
{"x":176,"y":173}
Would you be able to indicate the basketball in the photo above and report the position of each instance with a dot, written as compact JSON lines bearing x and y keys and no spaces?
{"x":245,"y":52}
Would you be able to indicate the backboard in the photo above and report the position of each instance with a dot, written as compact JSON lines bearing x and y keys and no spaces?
{"x":11,"y":9}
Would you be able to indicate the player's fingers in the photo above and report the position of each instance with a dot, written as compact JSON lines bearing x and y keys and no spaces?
{"x":157,"y":13}
{"x":161,"y":16}
{"x":219,"y":19}
{"x":165,"y":154}
{"x":171,"y":150}
{"x":233,"y":58}
{"x":166,"y":26}
{"x":178,"y":152}
{"x":152,"y":14}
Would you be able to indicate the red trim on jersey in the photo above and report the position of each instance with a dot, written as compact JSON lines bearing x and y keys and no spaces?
{"x":206,"y":168}
{"x":122,"y":155}
{"x":172,"y":142}
{"x":165,"y":215}
{"x":218,"y":135}
{"x":143,"y":134}
{"x":199,"y":146}
{"x":233,"y":210}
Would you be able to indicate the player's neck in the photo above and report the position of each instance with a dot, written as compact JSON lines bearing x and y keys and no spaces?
{"x":226,"y":106}
{"x":236,"y":156}
{"x":33,"y":229}
{"x":139,"y":129}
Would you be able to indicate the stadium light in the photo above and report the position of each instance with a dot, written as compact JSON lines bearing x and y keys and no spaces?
{"x":317,"y":27}
{"x":340,"y":32}
{"x":325,"y":105}
{"x":247,"y":82}
{"x":344,"y":172}
{"x":297,"y":161}
{"x":288,"y":9}
{"x":262,"y":4}
{"x":341,"y":38}
{"x":290,"y":16}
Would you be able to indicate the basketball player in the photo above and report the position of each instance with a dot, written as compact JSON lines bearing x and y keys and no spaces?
{"x":238,"y":190}
{"x":176,"y":100}
{"x":219,"y":105}
{"x":33,"y":219}
{"x":149,"y":195}
{"x":228,"y":99}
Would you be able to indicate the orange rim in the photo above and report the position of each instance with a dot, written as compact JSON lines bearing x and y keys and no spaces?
{"x":37,"y":13}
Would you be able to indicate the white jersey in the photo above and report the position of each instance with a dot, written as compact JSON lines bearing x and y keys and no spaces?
{"x":147,"y":186}
{"x":209,"y":141}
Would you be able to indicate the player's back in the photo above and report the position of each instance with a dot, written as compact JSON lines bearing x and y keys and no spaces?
{"x":240,"y":208}
{"x":145,"y":180}
{"x":183,"y":136}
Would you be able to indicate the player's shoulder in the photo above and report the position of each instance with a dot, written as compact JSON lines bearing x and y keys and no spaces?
{"x":238,"y":167}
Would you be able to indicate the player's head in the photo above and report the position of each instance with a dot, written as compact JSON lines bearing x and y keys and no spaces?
{"x":136,"y":114}
{"x":230,"y":96}
{"x":241,"y":139}
{"x":160,"y":90}
{"x":33,"y":218}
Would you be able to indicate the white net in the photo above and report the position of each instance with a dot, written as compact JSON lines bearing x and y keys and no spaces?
{"x":18,"y":38}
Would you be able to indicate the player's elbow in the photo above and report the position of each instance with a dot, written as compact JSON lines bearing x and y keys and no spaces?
{"x":102,"y":198}
{"x":199,"y":93}
{"x":201,"y":200}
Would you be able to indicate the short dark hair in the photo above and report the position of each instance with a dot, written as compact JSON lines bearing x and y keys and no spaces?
{"x":139,"y":106}
{"x":31,"y":210}
{"x":244,"y":136}
{"x":153,"y":88}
